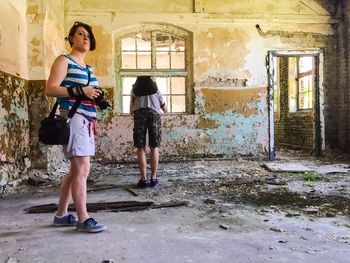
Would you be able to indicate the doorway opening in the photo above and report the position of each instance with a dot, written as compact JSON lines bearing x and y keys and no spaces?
{"x":296,"y":96}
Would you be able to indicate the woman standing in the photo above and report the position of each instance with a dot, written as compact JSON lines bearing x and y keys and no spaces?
{"x":146,"y":105}
{"x":69,"y":79}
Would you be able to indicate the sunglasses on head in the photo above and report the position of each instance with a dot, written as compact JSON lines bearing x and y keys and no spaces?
{"x":77,"y":23}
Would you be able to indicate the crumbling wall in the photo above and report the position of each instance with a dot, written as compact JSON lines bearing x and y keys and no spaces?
{"x":14,"y":127}
{"x":341,"y":92}
{"x":43,"y":18}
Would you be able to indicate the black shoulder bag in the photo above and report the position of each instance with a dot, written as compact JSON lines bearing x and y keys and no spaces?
{"x":54,"y":130}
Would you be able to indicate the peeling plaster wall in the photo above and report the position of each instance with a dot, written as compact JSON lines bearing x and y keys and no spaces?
{"x":229,"y":73}
{"x":14,"y":119}
{"x":45,"y":21}
{"x":44,"y":18}
{"x":14,"y":126}
{"x":53,"y":22}
{"x":229,"y":121}
{"x":36,"y":54}
{"x":26,"y":28}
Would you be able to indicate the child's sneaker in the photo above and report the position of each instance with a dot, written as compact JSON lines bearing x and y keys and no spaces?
{"x":90,"y":226}
{"x":154,"y":182}
{"x":66,"y":220}
{"x":143,"y":183}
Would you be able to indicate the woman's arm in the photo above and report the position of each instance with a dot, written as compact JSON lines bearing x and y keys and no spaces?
{"x":132,"y":103}
{"x":164,"y":108}
{"x":57,"y":75}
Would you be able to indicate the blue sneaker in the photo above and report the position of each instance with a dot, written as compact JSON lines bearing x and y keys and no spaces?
{"x":143,"y":183}
{"x":154,"y":182}
{"x":90,"y":226}
{"x":67,"y":220}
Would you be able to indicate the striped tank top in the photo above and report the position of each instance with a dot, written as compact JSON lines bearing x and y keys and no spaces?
{"x":78,"y":76}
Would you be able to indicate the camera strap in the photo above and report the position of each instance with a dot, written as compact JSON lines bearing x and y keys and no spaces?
{"x":75,"y":105}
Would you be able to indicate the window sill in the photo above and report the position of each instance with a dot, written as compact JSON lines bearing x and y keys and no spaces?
{"x":163,"y":114}
{"x":301,"y":113}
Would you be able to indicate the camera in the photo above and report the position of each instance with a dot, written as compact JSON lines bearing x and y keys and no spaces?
{"x":101,"y":101}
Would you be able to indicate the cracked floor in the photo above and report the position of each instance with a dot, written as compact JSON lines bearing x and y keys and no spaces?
{"x":238,"y":211}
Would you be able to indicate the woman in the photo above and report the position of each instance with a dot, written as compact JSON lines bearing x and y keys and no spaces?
{"x":146,"y":105}
{"x":69,"y":79}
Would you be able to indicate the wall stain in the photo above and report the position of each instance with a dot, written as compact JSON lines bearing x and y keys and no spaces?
{"x":207,"y":124}
{"x":241,"y":101}
{"x":35,"y":14}
{"x":212,"y":54}
{"x":35,"y":60}
{"x":35,"y":41}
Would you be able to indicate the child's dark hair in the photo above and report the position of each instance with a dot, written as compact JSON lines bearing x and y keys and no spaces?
{"x":144,"y":85}
{"x":88,"y":28}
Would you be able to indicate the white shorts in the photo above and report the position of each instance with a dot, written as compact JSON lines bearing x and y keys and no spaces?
{"x":81,"y":139}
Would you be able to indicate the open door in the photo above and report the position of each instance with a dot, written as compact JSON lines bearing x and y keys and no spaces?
{"x":296,"y":101}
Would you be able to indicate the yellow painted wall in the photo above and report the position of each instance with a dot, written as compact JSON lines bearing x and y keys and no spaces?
{"x":152,"y":6}
{"x":13,"y":38}
{"x":45,"y":21}
{"x":286,"y":7}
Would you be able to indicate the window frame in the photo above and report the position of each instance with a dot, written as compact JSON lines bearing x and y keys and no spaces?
{"x":187,"y":72}
{"x":298,"y":76}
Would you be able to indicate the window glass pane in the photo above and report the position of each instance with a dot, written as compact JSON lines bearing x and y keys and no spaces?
{"x":177,"y":60}
{"x":147,"y":52}
{"x":144,"y":60}
{"x":163,"y":60}
{"x":178,"y":103}
{"x":127,"y":85}
{"x":143,"y":41}
{"x":276,"y":84}
{"x":162,"y":42}
{"x":129,"y":60}
{"x":305,"y":64}
{"x":167,"y":102}
{"x":178,"y":85}
{"x":163,"y":85}
{"x":126,"y":104}
{"x":177,"y":44}
{"x":305,"y":92}
{"x":128,"y":43}
{"x":292,"y":84}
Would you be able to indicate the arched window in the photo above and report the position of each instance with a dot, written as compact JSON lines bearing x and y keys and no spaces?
{"x":163,"y":54}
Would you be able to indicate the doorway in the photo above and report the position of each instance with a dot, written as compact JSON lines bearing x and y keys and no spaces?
{"x":295,"y":99}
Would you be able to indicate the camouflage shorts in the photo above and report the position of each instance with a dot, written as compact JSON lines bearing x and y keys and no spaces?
{"x":147,"y":120}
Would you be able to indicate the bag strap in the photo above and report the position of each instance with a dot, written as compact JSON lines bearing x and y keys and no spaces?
{"x":75,"y":105}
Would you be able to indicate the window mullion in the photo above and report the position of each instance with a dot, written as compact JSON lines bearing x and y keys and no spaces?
{"x":297,"y":84}
{"x":153,"y":50}
{"x":169,"y":51}
{"x":137,"y":64}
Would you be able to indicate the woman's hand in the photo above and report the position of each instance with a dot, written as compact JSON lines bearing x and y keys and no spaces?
{"x":91,"y":92}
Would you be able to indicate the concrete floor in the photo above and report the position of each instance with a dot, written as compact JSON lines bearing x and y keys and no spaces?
{"x":221,"y":230}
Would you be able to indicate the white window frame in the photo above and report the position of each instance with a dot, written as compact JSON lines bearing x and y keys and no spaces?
{"x":187,"y":72}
